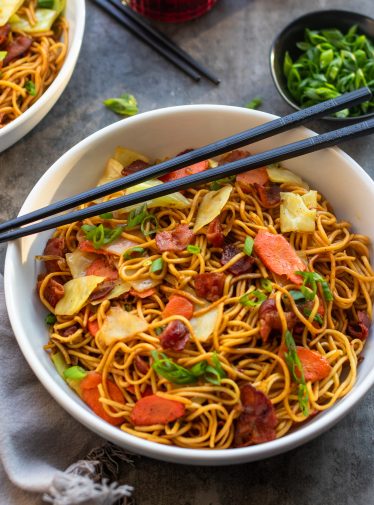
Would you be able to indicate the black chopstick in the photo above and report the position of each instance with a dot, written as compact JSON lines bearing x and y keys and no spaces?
{"x":146,"y":37}
{"x":257,"y":160}
{"x":159,"y":36}
{"x":203,"y":153}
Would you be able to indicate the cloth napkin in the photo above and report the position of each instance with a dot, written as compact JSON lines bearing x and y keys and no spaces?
{"x":46,"y":456}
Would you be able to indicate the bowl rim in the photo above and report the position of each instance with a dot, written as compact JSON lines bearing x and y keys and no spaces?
{"x":131,"y":442}
{"x":63,"y":75}
{"x":286,"y":29}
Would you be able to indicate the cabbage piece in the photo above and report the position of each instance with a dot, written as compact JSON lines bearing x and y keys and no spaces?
{"x":203,"y":326}
{"x":140,"y":285}
{"x":211,"y":206}
{"x":173,"y":200}
{"x":119,"y":246}
{"x":78,"y":262}
{"x":119,"y":288}
{"x":112,"y":171}
{"x":298,"y":213}
{"x":77,"y":292}
{"x":126,"y":156}
{"x":7,"y":9}
{"x":282,"y":175}
{"x":44,"y":19}
{"x":120,"y":324}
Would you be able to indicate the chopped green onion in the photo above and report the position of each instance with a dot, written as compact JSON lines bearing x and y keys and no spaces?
{"x":157,"y":265}
{"x":217,"y":364}
{"x":216,"y":185}
{"x":75,"y":373}
{"x":50,"y":319}
{"x":46,"y":4}
{"x":106,"y":215}
{"x":99,"y":235}
{"x":254,"y":104}
{"x":137,"y":216}
{"x":296,"y":369}
{"x":248,"y":245}
{"x":311,"y":279}
{"x":130,"y":253}
{"x":193,"y":249}
{"x":3,"y":55}
{"x":212,"y":375}
{"x":174,"y":373}
{"x":30,"y":88}
{"x":125,"y":105}
{"x":266,"y":285}
{"x":297,"y":295}
{"x":199,"y":369}
{"x":159,"y":330}
{"x":317,"y":317}
{"x":149,"y":218}
{"x":253,"y":298}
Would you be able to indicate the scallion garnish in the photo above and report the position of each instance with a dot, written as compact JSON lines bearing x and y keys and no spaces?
{"x":193,"y":249}
{"x":3,"y":55}
{"x":266,"y":285}
{"x":216,"y":185}
{"x":254,"y":104}
{"x":150,"y":218}
{"x":45,"y":4}
{"x":133,"y":252}
{"x":317,"y":317}
{"x":137,"y":216}
{"x":157,"y":265}
{"x":296,"y":369}
{"x":297,"y":295}
{"x":311,"y":279}
{"x":253,"y":298}
{"x":30,"y":88}
{"x":125,"y":105}
{"x":75,"y":373}
{"x":99,"y":235}
{"x":50,"y":319}
{"x":248,"y":245}
{"x":106,"y":215}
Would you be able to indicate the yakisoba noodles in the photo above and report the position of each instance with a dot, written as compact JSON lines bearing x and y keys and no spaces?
{"x":221,"y":317}
{"x":33,"y":46}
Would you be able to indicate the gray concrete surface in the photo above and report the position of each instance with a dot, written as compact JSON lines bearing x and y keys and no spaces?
{"x":234,"y":39}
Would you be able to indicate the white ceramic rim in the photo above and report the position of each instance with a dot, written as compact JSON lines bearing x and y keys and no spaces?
{"x":64,"y":75}
{"x":145,"y":447}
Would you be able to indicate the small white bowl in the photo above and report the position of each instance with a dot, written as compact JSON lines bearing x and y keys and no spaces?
{"x":158,"y":134}
{"x":75,"y":14}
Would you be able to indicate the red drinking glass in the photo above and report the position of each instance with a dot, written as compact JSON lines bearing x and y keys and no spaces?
{"x":171,"y":11}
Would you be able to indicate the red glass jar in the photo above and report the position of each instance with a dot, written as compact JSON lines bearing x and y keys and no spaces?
{"x":171,"y":11}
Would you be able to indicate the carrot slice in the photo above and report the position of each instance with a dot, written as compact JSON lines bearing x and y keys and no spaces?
{"x":87,"y":246}
{"x":178,"y":306}
{"x":154,"y":409}
{"x":91,"y":396}
{"x":256,"y":176}
{"x":101,"y":267}
{"x":278,"y":255}
{"x":143,"y":294}
{"x":315,"y":366}
{"x":183,"y":172}
{"x":93,"y":327}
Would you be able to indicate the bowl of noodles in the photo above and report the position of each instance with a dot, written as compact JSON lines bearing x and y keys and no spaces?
{"x":40,"y":42}
{"x":220,"y":325}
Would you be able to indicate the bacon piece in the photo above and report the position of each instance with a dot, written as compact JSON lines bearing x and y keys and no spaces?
{"x":361,"y":328}
{"x":175,"y":336}
{"x":269,"y":318}
{"x":102,"y":291}
{"x":70,"y":330}
{"x":256,"y":424}
{"x":17,"y":48}
{"x":175,"y":240}
{"x":214,"y":233}
{"x":102,"y":268}
{"x":236,"y":155}
{"x":53,"y":292}
{"x":55,"y":247}
{"x":210,"y":285}
{"x":141,"y":364}
{"x":4,"y":32}
{"x":241,"y":266}
{"x":258,"y":175}
{"x":268,"y":195}
{"x":134,"y":167}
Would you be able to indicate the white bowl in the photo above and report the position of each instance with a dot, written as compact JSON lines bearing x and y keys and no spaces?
{"x":75,"y":14}
{"x":157,"y":134}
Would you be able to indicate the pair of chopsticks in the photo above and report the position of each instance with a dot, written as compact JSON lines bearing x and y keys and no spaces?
{"x":7,"y":231}
{"x":156,"y":39}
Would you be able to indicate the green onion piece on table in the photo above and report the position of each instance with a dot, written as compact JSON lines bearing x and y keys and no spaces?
{"x":125,"y":105}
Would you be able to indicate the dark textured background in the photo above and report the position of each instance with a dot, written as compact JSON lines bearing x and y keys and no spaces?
{"x":234,"y":40}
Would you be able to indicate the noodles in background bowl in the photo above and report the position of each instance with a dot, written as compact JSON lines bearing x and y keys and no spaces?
{"x":175,"y":323}
{"x":33,"y":46}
